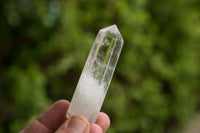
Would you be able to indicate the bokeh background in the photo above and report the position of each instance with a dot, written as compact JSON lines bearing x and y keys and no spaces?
{"x":44,"y":45}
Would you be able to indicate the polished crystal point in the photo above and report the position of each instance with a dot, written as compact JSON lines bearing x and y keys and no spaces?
{"x":97,"y":74}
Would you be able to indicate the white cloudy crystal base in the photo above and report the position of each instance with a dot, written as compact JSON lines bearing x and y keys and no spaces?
{"x":97,"y":74}
{"x":88,"y":99}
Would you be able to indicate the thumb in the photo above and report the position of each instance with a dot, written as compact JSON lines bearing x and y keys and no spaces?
{"x":75,"y":124}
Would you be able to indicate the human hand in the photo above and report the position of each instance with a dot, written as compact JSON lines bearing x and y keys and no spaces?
{"x":54,"y":120}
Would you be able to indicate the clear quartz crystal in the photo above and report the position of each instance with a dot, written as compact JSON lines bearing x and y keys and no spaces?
{"x":97,"y":74}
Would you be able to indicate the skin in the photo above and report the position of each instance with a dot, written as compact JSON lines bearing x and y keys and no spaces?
{"x":54,"y":120}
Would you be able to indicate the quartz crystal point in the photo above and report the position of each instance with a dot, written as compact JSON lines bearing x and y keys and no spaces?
{"x":97,"y":74}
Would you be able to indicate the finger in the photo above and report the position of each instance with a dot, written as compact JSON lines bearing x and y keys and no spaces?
{"x":95,"y":128}
{"x":75,"y":124}
{"x":35,"y":127}
{"x":103,"y":121}
{"x":53,"y":117}
{"x":50,"y":120}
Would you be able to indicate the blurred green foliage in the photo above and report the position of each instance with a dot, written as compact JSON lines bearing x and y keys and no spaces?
{"x":44,"y":45}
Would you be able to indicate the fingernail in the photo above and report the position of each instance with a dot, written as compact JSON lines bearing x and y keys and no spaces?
{"x":78,"y":125}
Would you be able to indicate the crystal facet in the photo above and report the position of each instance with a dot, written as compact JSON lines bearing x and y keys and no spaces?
{"x":97,"y":74}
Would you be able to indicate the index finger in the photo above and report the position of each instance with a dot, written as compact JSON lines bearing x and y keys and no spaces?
{"x":50,"y":120}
